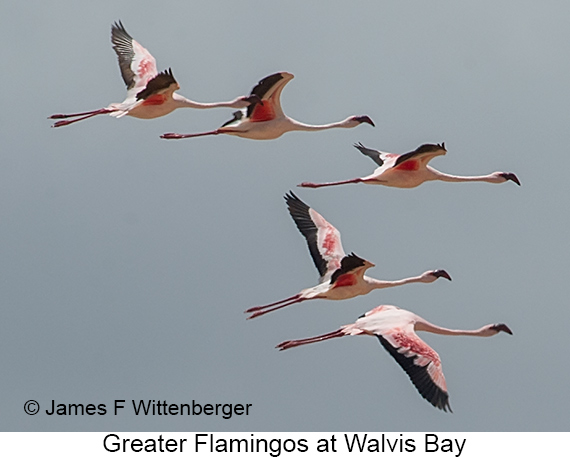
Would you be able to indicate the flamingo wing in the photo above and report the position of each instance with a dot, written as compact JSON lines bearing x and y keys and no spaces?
{"x":351,"y":268}
{"x":323,"y":239}
{"x":137,"y":65}
{"x":378,"y":156}
{"x":269,"y":91}
{"x":161,"y":83}
{"x":422,"y":155}
{"x":238,"y":116}
{"x":420,"y":362}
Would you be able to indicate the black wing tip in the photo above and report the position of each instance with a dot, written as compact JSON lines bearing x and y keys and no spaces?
{"x":353,"y":256}
{"x":429,"y":147}
{"x":291,"y":196}
{"x":118,"y":27}
{"x":295,"y":202}
{"x":161,"y":81}
{"x":348,"y":263}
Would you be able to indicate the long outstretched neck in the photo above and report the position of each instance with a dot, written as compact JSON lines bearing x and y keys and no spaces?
{"x":315,"y":339}
{"x":380,"y":284}
{"x":429,"y":327}
{"x":314,"y":185}
{"x":183,"y":102}
{"x":438,"y":175}
{"x":300,"y":126}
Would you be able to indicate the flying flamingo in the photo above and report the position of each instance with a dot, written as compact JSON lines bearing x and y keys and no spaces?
{"x":149,"y":94}
{"x":342,"y":276}
{"x":265,"y":120}
{"x":411,"y":169}
{"x":396,"y":330}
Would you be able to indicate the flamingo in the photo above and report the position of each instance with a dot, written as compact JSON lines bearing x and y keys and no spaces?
{"x":411,"y":169}
{"x":149,"y":94}
{"x":342,"y":276}
{"x":396,"y":329}
{"x":265,"y":120}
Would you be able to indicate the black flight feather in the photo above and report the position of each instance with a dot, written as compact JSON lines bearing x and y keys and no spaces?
{"x":423,"y":149}
{"x":160,"y":82}
{"x":262,"y":87}
{"x":347,"y":264}
{"x":373,"y":154}
{"x":419,"y":377}
{"x":123,"y":46}
{"x":300,"y":213}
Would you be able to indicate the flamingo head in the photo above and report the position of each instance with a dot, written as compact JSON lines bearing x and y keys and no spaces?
{"x":508,"y":177}
{"x":361,"y":119}
{"x":433,"y":275}
{"x":496,"y":328}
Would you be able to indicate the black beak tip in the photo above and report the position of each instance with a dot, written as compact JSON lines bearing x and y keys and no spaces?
{"x":366,"y":119}
{"x":442,"y":274}
{"x":503,"y":328}
{"x":511,"y":177}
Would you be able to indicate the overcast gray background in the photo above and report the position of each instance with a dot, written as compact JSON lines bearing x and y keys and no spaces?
{"x":127,"y":261}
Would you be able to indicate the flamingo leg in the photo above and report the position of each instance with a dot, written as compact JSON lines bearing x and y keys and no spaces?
{"x":315,"y":339}
{"x":261,"y":313}
{"x":178,"y":136}
{"x":259,"y":308}
{"x":85,"y":113}
{"x":84,"y":116}
{"x":325,"y":184}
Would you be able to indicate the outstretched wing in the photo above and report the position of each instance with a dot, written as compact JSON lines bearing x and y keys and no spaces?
{"x":269,"y":91}
{"x":422,"y":155}
{"x":351,"y":266}
{"x":161,"y":83}
{"x":137,"y":65}
{"x":323,"y":239}
{"x":421,"y":363}
{"x":238,"y":116}
{"x":378,"y":156}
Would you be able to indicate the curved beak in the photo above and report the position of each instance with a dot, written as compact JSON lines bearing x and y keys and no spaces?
{"x":511,"y":177}
{"x":442,"y":274}
{"x":366,"y":119}
{"x":502,"y":328}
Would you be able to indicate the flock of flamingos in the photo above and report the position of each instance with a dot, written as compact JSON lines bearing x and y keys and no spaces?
{"x":151,"y":94}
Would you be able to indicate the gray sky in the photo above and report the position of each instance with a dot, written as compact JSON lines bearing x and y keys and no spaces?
{"x":127,"y":261}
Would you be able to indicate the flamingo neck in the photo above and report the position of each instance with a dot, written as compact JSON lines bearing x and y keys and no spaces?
{"x":183,"y":102}
{"x":374,"y":283}
{"x":296,"y":125}
{"x":425,"y":326}
{"x":438,"y":175}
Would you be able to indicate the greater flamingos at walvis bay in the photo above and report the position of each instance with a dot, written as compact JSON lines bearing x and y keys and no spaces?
{"x":265,"y":120}
{"x":411,"y":169}
{"x":342,"y":276}
{"x":149,"y":94}
{"x":396,"y":329}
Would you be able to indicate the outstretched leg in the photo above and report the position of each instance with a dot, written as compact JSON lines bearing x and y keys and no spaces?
{"x":178,"y":136}
{"x":261,"y":310}
{"x":85,"y":115}
{"x":325,"y":184}
{"x":315,"y":339}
